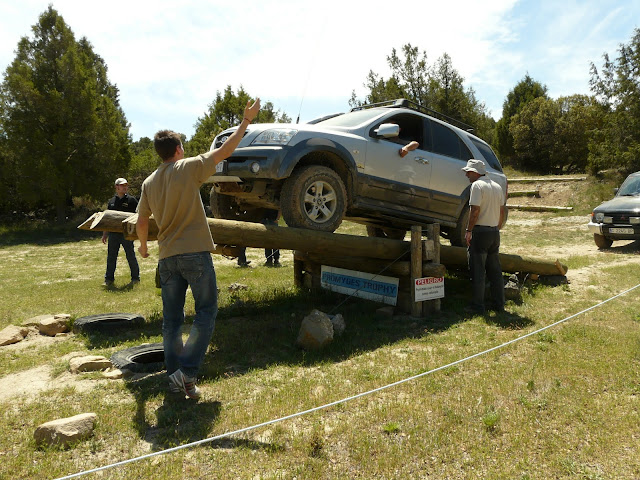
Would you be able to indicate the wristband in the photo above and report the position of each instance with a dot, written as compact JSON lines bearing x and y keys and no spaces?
{"x":245,"y":118}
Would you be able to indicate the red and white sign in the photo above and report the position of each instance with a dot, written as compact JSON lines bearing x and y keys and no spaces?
{"x":429,"y":288}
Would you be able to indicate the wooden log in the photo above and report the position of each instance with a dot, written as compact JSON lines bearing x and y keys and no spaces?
{"x":457,"y":257}
{"x":539,"y":208}
{"x":401,"y":268}
{"x":86,"y":225}
{"x":525,"y":193}
{"x":229,"y":232}
{"x":567,"y":178}
{"x":245,"y":234}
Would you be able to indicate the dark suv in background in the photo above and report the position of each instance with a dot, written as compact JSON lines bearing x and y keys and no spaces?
{"x":347,"y":166}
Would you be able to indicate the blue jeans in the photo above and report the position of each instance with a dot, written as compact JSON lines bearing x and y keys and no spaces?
{"x":483,"y":256}
{"x":193,"y":270}
{"x":113,"y":248}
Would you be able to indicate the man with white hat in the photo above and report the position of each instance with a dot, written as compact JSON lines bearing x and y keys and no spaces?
{"x":122,"y":202}
{"x":487,"y":202}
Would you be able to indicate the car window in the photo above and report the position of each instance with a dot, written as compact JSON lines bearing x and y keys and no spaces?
{"x":446,"y":142}
{"x":487,"y":153}
{"x":631,"y":186}
{"x":411,"y":129}
{"x":351,"y":119}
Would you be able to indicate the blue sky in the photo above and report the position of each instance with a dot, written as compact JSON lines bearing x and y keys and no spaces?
{"x":169,"y":58}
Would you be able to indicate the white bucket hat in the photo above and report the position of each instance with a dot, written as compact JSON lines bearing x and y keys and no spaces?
{"x":475,"y":166}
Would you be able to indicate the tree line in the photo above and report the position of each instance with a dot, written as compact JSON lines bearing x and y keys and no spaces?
{"x":64,"y":135}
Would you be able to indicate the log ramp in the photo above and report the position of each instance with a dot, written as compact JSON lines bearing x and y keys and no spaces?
{"x":407,"y":260}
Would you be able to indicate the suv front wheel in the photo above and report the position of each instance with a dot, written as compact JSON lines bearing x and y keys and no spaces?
{"x":314,"y":197}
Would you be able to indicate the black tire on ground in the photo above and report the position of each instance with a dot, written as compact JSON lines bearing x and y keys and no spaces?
{"x":314,"y":197}
{"x":385,"y":232}
{"x":141,"y":358}
{"x":456,"y":234}
{"x":602,"y":241}
{"x":107,"y":321}
{"x":226,"y":207}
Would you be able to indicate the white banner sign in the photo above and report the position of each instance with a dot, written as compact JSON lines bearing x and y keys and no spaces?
{"x":359,"y":284}
{"x":429,"y":288}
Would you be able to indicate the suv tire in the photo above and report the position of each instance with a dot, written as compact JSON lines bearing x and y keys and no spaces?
{"x":300,"y":199}
{"x":457,"y":233}
{"x":602,"y":242}
{"x":144,"y":358}
{"x":226,"y":208}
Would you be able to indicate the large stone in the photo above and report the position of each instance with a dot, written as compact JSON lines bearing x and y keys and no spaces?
{"x":89,"y":363}
{"x":35,"y":321}
{"x":12,"y":334}
{"x":54,"y":324}
{"x":338,"y":324}
{"x":66,"y":431}
{"x":316,"y":331}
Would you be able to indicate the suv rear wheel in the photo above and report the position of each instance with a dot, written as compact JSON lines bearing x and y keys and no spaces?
{"x":456,"y":234}
{"x":314,"y":197}
{"x":226,"y":207}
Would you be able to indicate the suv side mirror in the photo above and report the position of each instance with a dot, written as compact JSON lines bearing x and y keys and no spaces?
{"x":387,"y":130}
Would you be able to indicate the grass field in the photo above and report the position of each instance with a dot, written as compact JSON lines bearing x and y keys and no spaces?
{"x":562,"y":403}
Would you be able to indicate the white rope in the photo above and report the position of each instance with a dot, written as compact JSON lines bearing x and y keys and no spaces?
{"x":344,"y":400}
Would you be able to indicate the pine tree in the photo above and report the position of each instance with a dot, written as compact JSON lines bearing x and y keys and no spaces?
{"x":63,"y":128}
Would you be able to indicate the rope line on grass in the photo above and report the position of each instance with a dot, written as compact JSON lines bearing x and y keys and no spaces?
{"x":347,"y":399}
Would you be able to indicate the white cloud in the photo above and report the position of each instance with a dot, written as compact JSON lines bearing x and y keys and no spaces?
{"x":169,"y":59}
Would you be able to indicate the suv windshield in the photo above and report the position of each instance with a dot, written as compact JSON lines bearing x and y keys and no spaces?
{"x":352,"y":119}
{"x":630,"y":187}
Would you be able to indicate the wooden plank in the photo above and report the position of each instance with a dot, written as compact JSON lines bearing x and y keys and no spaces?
{"x":539,"y":208}
{"x":525,"y":193}
{"x":567,"y":178}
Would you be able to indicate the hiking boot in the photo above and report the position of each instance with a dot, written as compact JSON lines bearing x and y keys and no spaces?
{"x":181,"y":383}
{"x":276,"y":263}
{"x":244,"y":264}
{"x":108,"y":283}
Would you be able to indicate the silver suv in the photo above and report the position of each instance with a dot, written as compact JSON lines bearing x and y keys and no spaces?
{"x":347,"y":166}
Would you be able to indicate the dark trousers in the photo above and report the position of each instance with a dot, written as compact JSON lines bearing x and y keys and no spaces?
{"x":483,"y":257}
{"x":113,"y":248}
{"x":272,"y":255}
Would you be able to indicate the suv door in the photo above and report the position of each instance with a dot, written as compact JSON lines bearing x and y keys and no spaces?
{"x":447,"y":157}
{"x":392,"y":179}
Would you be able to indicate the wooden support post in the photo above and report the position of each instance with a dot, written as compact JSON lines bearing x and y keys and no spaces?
{"x":433,"y":232}
{"x":416,"y":268}
{"x":298,"y":277}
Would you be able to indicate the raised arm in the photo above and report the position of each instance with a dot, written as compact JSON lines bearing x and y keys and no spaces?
{"x":227,"y":148}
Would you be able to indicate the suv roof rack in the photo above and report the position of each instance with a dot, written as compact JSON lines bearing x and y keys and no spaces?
{"x":404,"y":103}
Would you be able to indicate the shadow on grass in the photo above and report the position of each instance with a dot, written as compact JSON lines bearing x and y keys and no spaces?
{"x":626,"y":249}
{"x":44,"y":233}
{"x":253,"y":333}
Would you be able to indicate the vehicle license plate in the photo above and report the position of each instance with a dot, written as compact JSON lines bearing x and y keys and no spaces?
{"x":624,"y":231}
{"x":220,"y":167}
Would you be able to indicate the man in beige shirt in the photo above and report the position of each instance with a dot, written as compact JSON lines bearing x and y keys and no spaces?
{"x":172,"y":195}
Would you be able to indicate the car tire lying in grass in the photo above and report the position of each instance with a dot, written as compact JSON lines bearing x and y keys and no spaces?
{"x":107,"y":321}
{"x":145,"y":358}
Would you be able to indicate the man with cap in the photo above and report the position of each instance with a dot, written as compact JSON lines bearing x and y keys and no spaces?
{"x":122,"y":202}
{"x":487,"y":202}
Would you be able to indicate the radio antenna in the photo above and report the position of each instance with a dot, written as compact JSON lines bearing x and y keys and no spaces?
{"x":313,"y":59}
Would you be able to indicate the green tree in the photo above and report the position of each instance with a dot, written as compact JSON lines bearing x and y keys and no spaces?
{"x":552,"y":136}
{"x":439,"y":87}
{"x":617,"y":88}
{"x":524,"y":92}
{"x":532,"y":131}
{"x":65,"y":132}
{"x":224,"y":112}
{"x":144,"y":161}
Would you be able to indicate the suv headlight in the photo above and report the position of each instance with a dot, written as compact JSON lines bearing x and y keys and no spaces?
{"x":280,"y":136}
{"x":598,"y":217}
